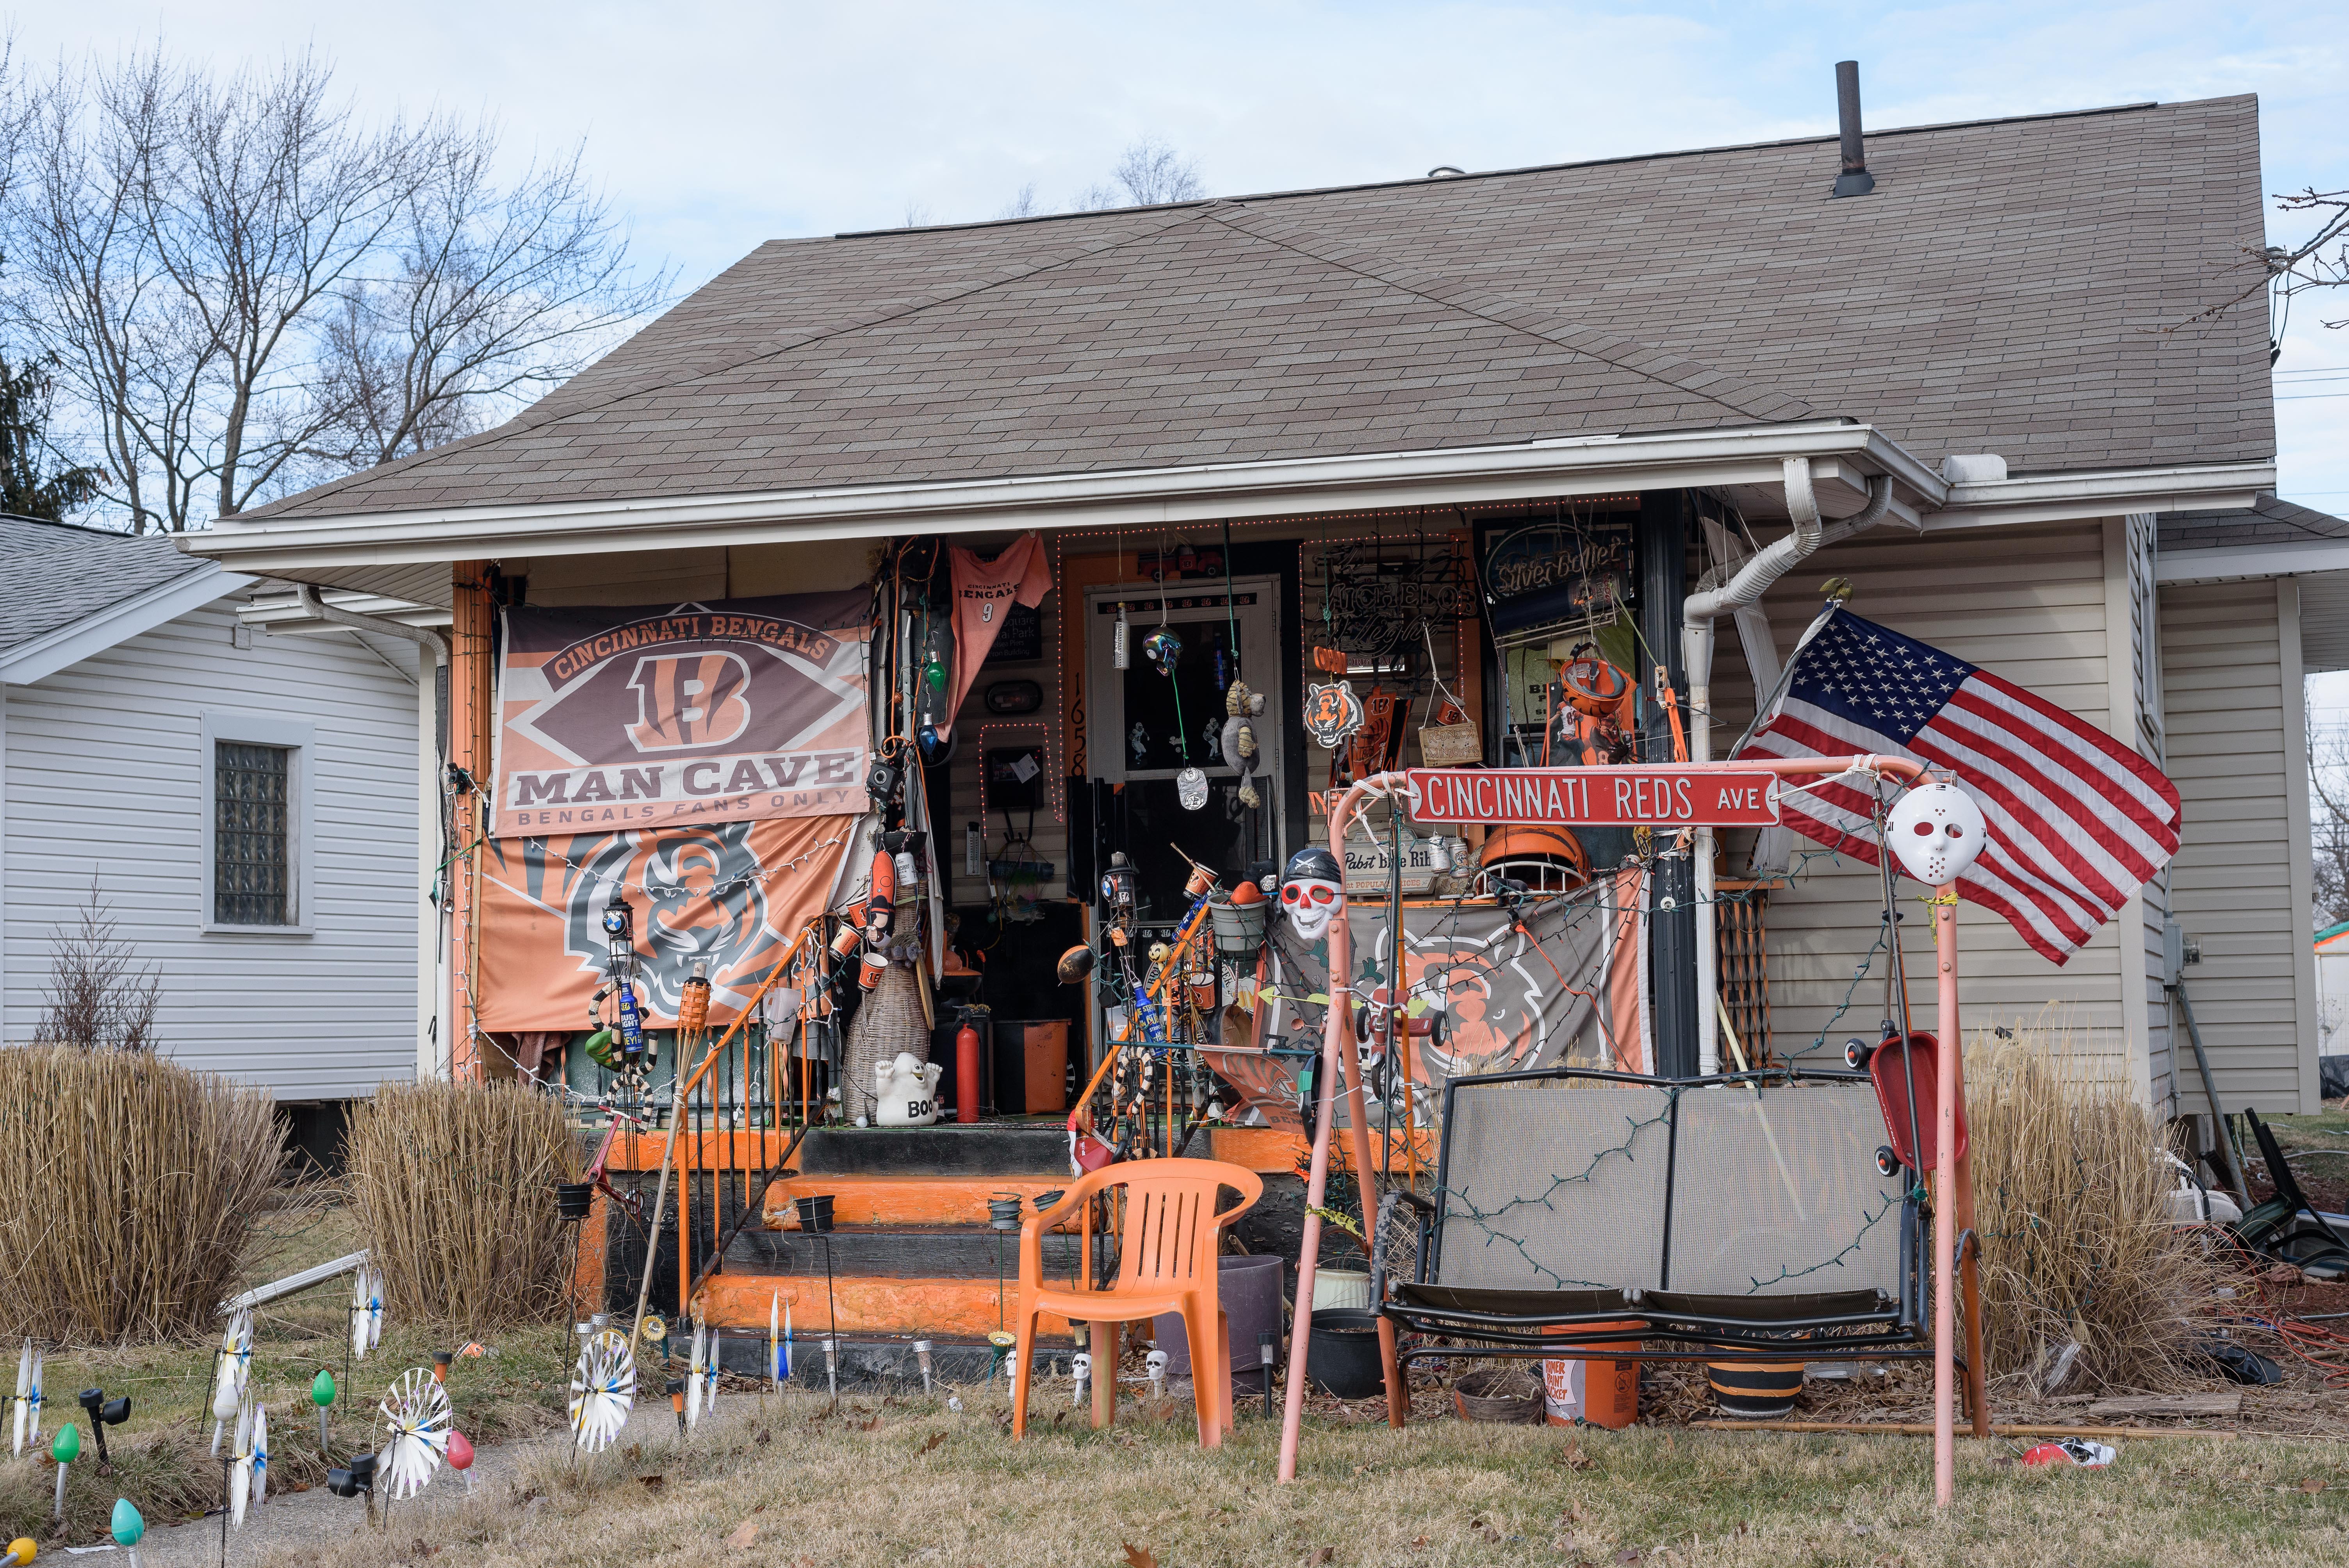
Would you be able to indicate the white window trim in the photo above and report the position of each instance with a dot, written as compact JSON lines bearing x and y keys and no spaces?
{"x":299,"y":737}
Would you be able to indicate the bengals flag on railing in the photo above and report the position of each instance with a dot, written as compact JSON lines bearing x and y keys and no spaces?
{"x":732,"y":894}
{"x":728,"y":711}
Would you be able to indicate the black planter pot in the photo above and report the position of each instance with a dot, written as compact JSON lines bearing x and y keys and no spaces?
{"x":815,"y":1213}
{"x":574,"y":1200}
{"x":1343,"y":1356}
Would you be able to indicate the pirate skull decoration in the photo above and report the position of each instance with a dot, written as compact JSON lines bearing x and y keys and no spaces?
{"x":1937,"y":830}
{"x":1312,"y":890}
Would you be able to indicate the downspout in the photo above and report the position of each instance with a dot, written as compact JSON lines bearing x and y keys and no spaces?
{"x":425,"y":637}
{"x":1743,"y":591}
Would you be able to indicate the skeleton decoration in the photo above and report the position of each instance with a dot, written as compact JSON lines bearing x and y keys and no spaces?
{"x":1238,"y":742}
{"x":1937,"y":830}
{"x":1313,"y":891}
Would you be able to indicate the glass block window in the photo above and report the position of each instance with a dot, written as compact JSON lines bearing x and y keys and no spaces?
{"x":252,"y":858}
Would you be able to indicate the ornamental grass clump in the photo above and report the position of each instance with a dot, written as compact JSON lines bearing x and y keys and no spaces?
{"x":2077,"y":1248}
{"x":132,"y":1185}
{"x":452,"y":1185}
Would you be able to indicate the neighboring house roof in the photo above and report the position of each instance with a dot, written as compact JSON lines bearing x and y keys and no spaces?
{"x":2033,"y":287}
{"x":2267,"y":521}
{"x":70,"y":592}
{"x":2332,"y":935}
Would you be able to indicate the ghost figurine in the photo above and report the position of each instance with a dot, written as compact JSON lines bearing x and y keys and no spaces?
{"x":1312,"y":890}
{"x":1238,"y":742}
{"x":1937,"y":830}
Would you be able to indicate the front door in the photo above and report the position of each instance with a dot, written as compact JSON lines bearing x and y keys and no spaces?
{"x":1145,"y":727}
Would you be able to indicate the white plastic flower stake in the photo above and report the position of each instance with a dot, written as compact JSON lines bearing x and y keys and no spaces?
{"x":602,"y":1390}
{"x":240,"y":1471}
{"x":697,"y":1375}
{"x":416,"y":1430}
{"x":29,"y":1396}
{"x":367,"y":1311}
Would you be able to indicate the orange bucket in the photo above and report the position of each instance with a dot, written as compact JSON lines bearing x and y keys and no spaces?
{"x":1603,"y":1392}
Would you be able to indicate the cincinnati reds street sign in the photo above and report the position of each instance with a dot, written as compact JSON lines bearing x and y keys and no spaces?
{"x":1654,"y":797}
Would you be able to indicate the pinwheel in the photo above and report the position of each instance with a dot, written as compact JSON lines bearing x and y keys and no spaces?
{"x":602,"y":1390}
{"x":239,"y":1470}
{"x":367,"y":1311}
{"x":234,"y":1366}
{"x":779,"y":1341}
{"x":29,"y":1398}
{"x":696,"y":1376}
{"x":416,"y":1433}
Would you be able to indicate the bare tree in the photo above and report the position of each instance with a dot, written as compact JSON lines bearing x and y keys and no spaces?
{"x":1151,"y":172}
{"x":244,"y":289}
{"x":916,"y":216}
{"x":2328,"y":788}
{"x":96,"y":997}
{"x":1022,"y":205}
{"x":495,"y":292}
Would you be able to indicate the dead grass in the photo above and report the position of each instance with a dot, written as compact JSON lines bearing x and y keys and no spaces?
{"x":452,"y":1185}
{"x":131,"y":1185}
{"x":2076,"y":1241}
{"x":904,"y":1481}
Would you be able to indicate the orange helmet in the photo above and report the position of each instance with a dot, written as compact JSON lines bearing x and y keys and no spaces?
{"x":1529,"y":843}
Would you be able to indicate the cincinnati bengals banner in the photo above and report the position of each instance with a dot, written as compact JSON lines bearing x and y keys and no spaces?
{"x":733,"y":710}
{"x":731,"y":894}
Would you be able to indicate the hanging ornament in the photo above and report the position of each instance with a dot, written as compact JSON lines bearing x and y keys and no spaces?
{"x":1164,"y":649}
{"x":1332,"y":713}
{"x":1121,"y":641}
{"x":1191,"y":788}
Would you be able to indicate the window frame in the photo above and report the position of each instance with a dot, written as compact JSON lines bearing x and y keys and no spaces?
{"x":298,"y":740}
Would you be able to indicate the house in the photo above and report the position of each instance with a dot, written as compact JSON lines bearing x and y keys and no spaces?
{"x":2013,"y":349}
{"x":242,"y":806}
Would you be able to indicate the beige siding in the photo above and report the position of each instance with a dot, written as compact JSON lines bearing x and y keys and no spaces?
{"x":2032,"y":605}
{"x":2237,"y":885}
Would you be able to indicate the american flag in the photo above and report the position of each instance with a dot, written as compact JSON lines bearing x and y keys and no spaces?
{"x":2077,"y":821}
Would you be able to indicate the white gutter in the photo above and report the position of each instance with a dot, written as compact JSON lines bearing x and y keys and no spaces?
{"x":2219,"y":562}
{"x":434,"y":644}
{"x":1740,"y":596}
{"x":2055,"y":497}
{"x":1581,"y":464}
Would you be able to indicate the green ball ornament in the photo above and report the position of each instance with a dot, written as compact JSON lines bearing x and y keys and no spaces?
{"x":322,"y":1388}
{"x":128,"y":1527}
{"x":67,"y":1446}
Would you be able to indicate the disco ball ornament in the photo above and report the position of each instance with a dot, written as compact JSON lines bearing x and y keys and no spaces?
{"x":1164,"y":649}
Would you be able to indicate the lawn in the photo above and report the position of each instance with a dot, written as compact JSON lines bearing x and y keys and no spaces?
{"x":874,"y":1480}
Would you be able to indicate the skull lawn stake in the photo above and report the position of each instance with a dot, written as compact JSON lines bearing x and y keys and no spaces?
{"x":1312,"y":891}
{"x":1937,"y":830}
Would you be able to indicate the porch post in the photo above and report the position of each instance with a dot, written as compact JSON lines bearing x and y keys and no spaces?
{"x":468,"y":748}
{"x":1662,"y":549}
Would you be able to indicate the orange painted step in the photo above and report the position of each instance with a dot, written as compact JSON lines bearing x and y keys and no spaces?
{"x":903,"y":1200}
{"x":939,"y":1309}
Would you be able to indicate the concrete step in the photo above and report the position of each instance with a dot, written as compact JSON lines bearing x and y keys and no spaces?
{"x":866,"y":1361}
{"x":908,"y":1252}
{"x":889,"y":1305}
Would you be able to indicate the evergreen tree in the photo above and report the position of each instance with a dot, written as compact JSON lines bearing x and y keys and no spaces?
{"x":29,"y":486}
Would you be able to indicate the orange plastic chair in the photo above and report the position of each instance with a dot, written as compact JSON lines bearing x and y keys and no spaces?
{"x":1167,"y":1262}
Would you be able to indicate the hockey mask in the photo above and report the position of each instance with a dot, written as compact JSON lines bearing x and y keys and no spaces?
{"x":1937,"y":831}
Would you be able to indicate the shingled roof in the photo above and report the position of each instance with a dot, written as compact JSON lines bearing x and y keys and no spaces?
{"x":60,"y":574}
{"x":2267,"y":521}
{"x":2029,"y":287}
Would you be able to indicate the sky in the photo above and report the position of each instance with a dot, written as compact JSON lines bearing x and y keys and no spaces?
{"x":716,"y":126}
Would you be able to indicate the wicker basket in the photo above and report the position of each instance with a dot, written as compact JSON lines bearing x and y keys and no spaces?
{"x":889,"y":1022}
{"x":1503,"y":1396}
{"x":1451,"y":744}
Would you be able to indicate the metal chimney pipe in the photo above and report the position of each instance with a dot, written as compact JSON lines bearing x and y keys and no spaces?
{"x":1854,"y":179}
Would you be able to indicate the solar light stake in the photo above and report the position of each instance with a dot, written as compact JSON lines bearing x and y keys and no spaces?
{"x":1081,"y":1369}
{"x":832,"y":1364}
{"x":104,"y":1413}
{"x":922,"y":1355}
{"x":1265,"y":1356}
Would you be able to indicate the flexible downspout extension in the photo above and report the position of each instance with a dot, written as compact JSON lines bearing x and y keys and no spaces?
{"x":1712,"y":599}
{"x":424,"y":637}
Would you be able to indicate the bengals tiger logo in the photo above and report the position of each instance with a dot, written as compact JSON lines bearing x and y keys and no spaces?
{"x":1332,"y":713}
{"x":685,"y":700}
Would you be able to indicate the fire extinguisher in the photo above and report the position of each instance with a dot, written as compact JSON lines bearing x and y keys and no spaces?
{"x":966,"y":1090}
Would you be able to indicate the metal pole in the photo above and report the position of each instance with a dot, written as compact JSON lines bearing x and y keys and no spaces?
{"x":2210,"y":1093}
{"x":1663,"y":550}
{"x":1945,"y":1207}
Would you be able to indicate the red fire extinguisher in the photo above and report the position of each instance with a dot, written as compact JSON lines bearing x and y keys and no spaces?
{"x":966,"y":1089}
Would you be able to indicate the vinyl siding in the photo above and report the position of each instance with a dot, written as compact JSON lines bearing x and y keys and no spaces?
{"x":2031,"y":604}
{"x":104,"y":779}
{"x":2237,"y":885}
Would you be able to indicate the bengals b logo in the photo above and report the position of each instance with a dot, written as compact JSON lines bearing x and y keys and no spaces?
{"x":688,"y":700}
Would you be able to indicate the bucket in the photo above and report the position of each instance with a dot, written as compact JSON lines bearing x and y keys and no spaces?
{"x":1600,"y":1393}
{"x":1754,"y":1390}
{"x":1238,"y":927}
{"x":1247,"y":1287}
{"x":815,"y":1212}
{"x":1342,"y":1358}
{"x":1507,"y":1396}
{"x":1343,"y":1288}
{"x":574,"y":1200}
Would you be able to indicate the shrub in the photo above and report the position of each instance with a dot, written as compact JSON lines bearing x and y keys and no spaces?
{"x":453,"y":1185}
{"x":133,"y":1185}
{"x":2071,"y":1202}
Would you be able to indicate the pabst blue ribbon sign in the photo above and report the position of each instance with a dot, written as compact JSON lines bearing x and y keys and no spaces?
{"x":633,"y":717}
